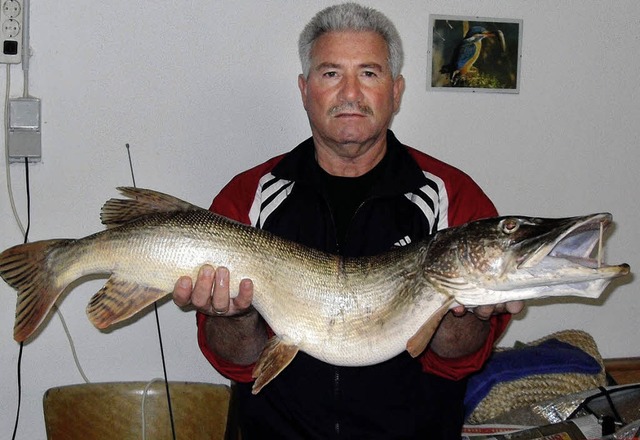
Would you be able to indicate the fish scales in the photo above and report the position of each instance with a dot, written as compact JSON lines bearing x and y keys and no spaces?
{"x":365,"y":318}
{"x":345,"y":311}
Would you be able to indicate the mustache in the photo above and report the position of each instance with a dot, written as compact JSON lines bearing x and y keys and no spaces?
{"x":351,"y":107}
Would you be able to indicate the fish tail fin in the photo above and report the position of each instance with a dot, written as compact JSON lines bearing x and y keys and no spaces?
{"x":27,"y":268}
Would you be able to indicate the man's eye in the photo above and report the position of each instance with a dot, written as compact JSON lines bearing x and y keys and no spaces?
{"x":330,"y":74}
{"x":370,"y":74}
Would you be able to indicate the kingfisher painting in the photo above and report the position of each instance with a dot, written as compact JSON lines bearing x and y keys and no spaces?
{"x":475,"y":54}
{"x":466,"y":54}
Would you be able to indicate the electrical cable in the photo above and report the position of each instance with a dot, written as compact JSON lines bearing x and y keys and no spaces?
{"x":28,"y":193}
{"x":25,"y":47}
{"x":164,"y":370}
{"x":71,"y":344}
{"x":26,"y":239}
{"x":142,"y":409}
{"x":155,"y":308}
{"x":6,"y":152}
{"x":15,"y":426}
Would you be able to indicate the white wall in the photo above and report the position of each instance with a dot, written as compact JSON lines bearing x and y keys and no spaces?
{"x":203,"y":90}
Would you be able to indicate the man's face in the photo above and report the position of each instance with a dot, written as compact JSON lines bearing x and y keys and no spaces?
{"x":350,"y":95}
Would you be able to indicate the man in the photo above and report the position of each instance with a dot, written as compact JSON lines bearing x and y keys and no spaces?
{"x":352,"y":189}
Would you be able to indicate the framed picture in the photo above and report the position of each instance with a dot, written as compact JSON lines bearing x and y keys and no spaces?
{"x":474,"y":54}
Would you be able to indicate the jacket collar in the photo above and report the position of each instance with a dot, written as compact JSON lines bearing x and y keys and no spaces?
{"x":400,"y":175}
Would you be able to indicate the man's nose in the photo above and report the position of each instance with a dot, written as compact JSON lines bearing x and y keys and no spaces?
{"x":351,"y":89}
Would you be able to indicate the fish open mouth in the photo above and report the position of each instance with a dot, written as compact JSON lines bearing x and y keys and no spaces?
{"x":575,"y":244}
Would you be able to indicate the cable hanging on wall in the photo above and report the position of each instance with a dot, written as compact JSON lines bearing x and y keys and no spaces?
{"x":19,"y":362}
{"x":155,"y":308}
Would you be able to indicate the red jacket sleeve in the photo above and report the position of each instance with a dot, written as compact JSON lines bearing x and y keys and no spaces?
{"x":235,"y":372}
{"x":458,"y":368}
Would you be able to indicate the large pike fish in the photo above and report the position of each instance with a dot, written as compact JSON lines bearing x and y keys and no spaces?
{"x":344,"y":311}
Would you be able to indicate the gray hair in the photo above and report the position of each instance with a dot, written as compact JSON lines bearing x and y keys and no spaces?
{"x":350,"y":17}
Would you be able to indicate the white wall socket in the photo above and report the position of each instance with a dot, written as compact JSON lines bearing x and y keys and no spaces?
{"x":11,"y":31}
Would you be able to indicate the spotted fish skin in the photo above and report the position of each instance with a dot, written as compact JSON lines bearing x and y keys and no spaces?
{"x":344,"y":311}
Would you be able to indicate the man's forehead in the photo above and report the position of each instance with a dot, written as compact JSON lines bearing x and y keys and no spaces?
{"x":366,"y":48}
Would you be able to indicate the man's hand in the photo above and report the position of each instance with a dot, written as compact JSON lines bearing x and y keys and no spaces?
{"x":485,"y":312}
{"x":462,"y":331}
{"x":241,"y":336}
{"x":210,"y":294}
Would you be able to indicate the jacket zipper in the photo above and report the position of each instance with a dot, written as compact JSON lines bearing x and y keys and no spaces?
{"x":336,"y":394}
{"x":336,"y":374}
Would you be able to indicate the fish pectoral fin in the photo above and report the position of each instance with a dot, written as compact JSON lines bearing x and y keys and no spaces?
{"x":119,"y":300}
{"x":141,"y":202}
{"x":274,"y":358}
{"x":418,"y":342}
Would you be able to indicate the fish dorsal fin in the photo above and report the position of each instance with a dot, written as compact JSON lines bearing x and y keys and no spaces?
{"x":277,"y":354}
{"x":119,"y":300}
{"x":418,"y":342}
{"x":140,"y":202}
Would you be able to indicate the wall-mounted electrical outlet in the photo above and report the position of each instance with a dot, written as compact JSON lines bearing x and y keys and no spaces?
{"x":24,"y":129}
{"x":11,"y":30}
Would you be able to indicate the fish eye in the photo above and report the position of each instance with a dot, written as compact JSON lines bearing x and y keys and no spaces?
{"x":509,"y":225}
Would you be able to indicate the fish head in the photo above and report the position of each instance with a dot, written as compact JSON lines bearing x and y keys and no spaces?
{"x":511,"y":258}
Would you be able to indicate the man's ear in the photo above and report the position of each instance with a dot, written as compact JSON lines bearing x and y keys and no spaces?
{"x":398,"y":90}
{"x":302,"y":85}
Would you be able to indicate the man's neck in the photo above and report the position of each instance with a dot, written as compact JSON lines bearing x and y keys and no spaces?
{"x":350,"y":160}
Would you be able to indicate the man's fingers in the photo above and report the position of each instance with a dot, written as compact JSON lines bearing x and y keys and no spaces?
{"x":515,"y":307}
{"x":484,"y":312}
{"x":210,"y":294}
{"x":220,"y":299}
{"x":182,"y":291}
{"x":245,"y":295}
{"x":201,"y":295}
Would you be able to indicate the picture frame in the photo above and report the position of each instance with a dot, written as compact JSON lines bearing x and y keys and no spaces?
{"x":474,"y":54}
